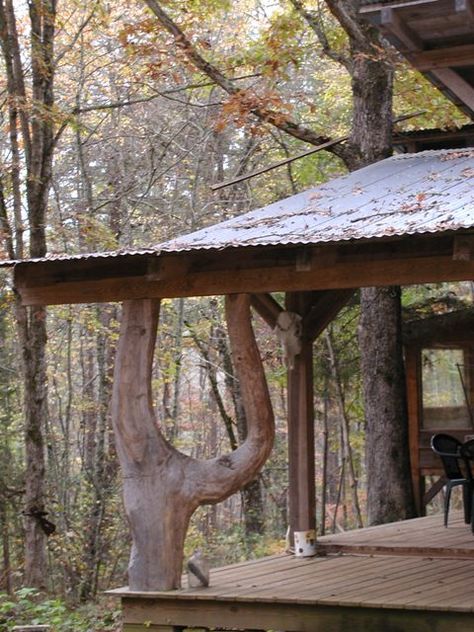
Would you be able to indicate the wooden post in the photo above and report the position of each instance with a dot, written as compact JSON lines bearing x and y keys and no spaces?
{"x":317,"y":309}
{"x":414,"y":398}
{"x":302,"y":498}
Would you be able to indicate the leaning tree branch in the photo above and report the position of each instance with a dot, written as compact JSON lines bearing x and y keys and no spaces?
{"x":113,"y":105}
{"x":222,"y":476}
{"x":278,"y":119}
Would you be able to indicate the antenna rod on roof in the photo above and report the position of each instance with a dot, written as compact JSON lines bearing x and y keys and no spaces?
{"x":329,"y":143}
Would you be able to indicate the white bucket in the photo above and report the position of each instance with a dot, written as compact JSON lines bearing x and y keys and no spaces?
{"x":305,"y":543}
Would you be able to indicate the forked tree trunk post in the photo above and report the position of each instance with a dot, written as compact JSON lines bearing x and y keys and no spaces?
{"x":162,"y":487}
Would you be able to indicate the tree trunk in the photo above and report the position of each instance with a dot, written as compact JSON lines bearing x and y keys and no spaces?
{"x":162,"y":487}
{"x":390,"y":495}
{"x":35,"y":123}
{"x":34,"y":368}
{"x":380,"y":330}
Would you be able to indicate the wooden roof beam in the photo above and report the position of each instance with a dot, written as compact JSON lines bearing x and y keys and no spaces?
{"x":325,"y":307}
{"x":463,"y":90}
{"x":391,"y":22}
{"x":373,"y":8}
{"x":466,"y":8}
{"x":415,"y":260}
{"x":455,"y":56}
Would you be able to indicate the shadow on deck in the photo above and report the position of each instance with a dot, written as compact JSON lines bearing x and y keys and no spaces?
{"x":412,"y":576}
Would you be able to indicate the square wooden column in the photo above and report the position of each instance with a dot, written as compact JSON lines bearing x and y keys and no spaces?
{"x":302,"y":497}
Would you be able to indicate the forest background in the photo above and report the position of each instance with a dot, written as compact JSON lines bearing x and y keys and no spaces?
{"x":102,"y":102}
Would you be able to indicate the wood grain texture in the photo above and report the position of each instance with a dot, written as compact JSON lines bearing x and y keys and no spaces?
{"x":301,"y":463}
{"x":396,"y":592}
{"x":161,"y":486}
{"x":419,"y":537}
{"x":297,"y":618}
{"x":414,"y":260}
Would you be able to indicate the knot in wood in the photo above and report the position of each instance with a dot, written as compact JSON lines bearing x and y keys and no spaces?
{"x":226,"y":461}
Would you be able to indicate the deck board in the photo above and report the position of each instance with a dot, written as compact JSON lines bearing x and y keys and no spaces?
{"x":420,"y":536}
{"x":410,"y":576}
{"x":385,"y":581}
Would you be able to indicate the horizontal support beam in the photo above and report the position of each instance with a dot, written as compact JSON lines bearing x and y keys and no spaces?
{"x":455,"y":56}
{"x":375,"y":8}
{"x":400,"y":262}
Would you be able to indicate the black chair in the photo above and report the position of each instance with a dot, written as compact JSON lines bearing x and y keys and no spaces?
{"x":457,"y":471}
{"x":467,"y":451}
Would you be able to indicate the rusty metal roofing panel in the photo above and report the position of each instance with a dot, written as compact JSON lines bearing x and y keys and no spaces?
{"x":427,"y":192}
{"x":407,"y":194}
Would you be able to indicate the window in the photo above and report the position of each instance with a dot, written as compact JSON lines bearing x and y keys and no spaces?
{"x":445,"y":389}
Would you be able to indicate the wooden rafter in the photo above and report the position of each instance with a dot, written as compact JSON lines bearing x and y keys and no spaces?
{"x":324,"y":308}
{"x":443,"y":58}
{"x":418,"y":32}
{"x":391,"y":22}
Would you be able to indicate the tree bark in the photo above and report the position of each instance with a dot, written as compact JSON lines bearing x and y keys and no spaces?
{"x":390,"y":495}
{"x":32,"y":119}
{"x":380,"y":329}
{"x":162,"y":487}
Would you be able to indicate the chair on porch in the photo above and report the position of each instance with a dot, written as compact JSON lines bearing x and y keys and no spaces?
{"x":457,"y":471}
{"x":467,"y":452}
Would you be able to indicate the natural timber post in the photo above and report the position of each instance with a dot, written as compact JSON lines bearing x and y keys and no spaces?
{"x":316,"y":309}
{"x":162,"y":487}
{"x":302,"y":500}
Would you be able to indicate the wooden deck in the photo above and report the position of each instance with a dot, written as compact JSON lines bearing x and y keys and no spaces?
{"x":420,"y":537}
{"x":413,"y":576}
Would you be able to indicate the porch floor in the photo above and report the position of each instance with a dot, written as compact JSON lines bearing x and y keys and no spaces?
{"x":421,"y":537}
{"x":412,"y":575}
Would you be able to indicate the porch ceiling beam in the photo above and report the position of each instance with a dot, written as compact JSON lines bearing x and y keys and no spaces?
{"x":391,"y":23}
{"x":463,"y":90}
{"x":405,"y":262}
{"x":454,"y":56}
{"x":466,"y":9}
{"x":374,"y":8}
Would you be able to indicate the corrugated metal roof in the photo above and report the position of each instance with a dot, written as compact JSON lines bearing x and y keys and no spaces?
{"x":407,"y":194}
{"x":106,"y":254}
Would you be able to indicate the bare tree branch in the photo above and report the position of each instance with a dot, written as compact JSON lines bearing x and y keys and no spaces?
{"x":77,"y":35}
{"x":313,"y":20}
{"x":279,"y":119}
